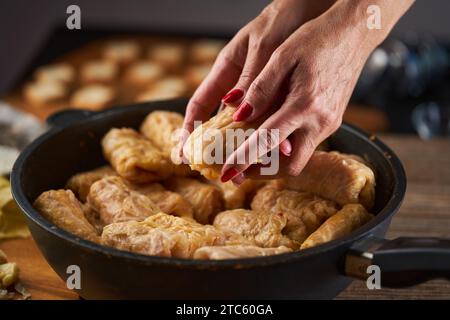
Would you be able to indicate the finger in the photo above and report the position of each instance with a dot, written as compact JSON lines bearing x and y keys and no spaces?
{"x":266,"y":138}
{"x":264,"y":90}
{"x":207,"y":96}
{"x":222,"y":77}
{"x":303,"y":146}
{"x":254,"y":172}
{"x":286,"y":147}
{"x":304,"y":142}
{"x":258,"y":54}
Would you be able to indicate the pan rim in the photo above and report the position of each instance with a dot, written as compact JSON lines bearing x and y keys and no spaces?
{"x":34,"y":216}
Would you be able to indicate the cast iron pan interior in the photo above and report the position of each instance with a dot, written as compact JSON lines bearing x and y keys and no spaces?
{"x":74,"y":147}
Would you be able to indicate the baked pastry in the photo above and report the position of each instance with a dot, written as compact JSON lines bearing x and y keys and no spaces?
{"x":206,"y":50}
{"x":60,"y":72}
{"x":62,"y":208}
{"x":103,"y":71}
{"x":81,"y":182}
{"x":134,"y":157}
{"x":143,"y":73}
{"x":116,"y":201}
{"x":304,"y":211}
{"x":164,"y":89}
{"x":164,"y":235}
{"x":44,"y":92}
{"x":336,"y":176}
{"x":212,"y":135}
{"x":348,"y":219}
{"x":195,"y":75}
{"x":237,"y":252}
{"x":264,"y":229}
{"x":121,"y":51}
{"x":93,"y":97}
{"x":169,"y":55}
{"x":205,"y":199}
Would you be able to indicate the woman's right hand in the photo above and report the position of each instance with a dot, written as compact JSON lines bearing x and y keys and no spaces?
{"x":243,"y":58}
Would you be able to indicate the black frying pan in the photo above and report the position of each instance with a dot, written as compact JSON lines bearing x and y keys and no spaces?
{"x":73,"y":145}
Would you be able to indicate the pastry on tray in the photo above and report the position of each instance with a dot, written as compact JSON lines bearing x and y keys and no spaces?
{"x":164,"y":89}
{"x":59,"y":72}
{"x":103,"y":71}
{"x":206,"y":50}
{"x":42,"y":93}
{"x":93,"y":97}
{"x":121,"y":51}
{"x":143,"y":73}
{"x":169,"y":54}
{"x":195,"y":74}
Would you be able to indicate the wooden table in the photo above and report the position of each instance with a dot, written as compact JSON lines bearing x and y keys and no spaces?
{"x":425,"y":212}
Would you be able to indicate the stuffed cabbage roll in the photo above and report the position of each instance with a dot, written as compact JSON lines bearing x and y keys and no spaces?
{"x":205,"y":199}
{"x":264,"y":229}
{"x":165,"y":235}
{"x":237,"y":252}
{"x":63,"y":209}
{"x":339,"y":177}
{"x":305,"y":212}
{"x":81,"y":182}
{"x":348,"y":219}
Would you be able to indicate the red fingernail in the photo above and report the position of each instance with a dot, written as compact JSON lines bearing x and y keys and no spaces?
{"x":230,"y":173}
{"x":233,"y":95}
{"x":243,"y":112}
{"x":286,"y":147}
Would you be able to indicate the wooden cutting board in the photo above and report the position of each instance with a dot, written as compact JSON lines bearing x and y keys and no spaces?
{"x":425,"y":213}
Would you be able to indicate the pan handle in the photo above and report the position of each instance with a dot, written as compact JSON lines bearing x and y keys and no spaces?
{"x":402,"y":262}
{"x":66,"y":117}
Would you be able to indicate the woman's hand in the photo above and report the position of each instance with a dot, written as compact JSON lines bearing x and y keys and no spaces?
{"x":299,"y":82}
{"x":241,"y":61}
{"x":314,"y":71}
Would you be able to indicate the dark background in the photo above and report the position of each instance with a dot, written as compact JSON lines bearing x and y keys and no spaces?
{"x":34,"y":33}
{"x":26,"y":24}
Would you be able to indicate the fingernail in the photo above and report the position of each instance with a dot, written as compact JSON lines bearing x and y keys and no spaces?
{"x":243,"y":112}
{"x":230,"y":173}
{"x":233,"y":95}
{"x":286,"y":147}
{"x":237,"y":180}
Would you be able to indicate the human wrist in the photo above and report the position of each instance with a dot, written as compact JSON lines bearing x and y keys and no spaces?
{"x":302,"y":10}
{"x":370,"y":21}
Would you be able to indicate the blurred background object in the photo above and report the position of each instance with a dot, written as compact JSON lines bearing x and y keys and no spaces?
{"x":432,"y":120}
{"x":145,"y":50}
{"x":17,"y":129}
